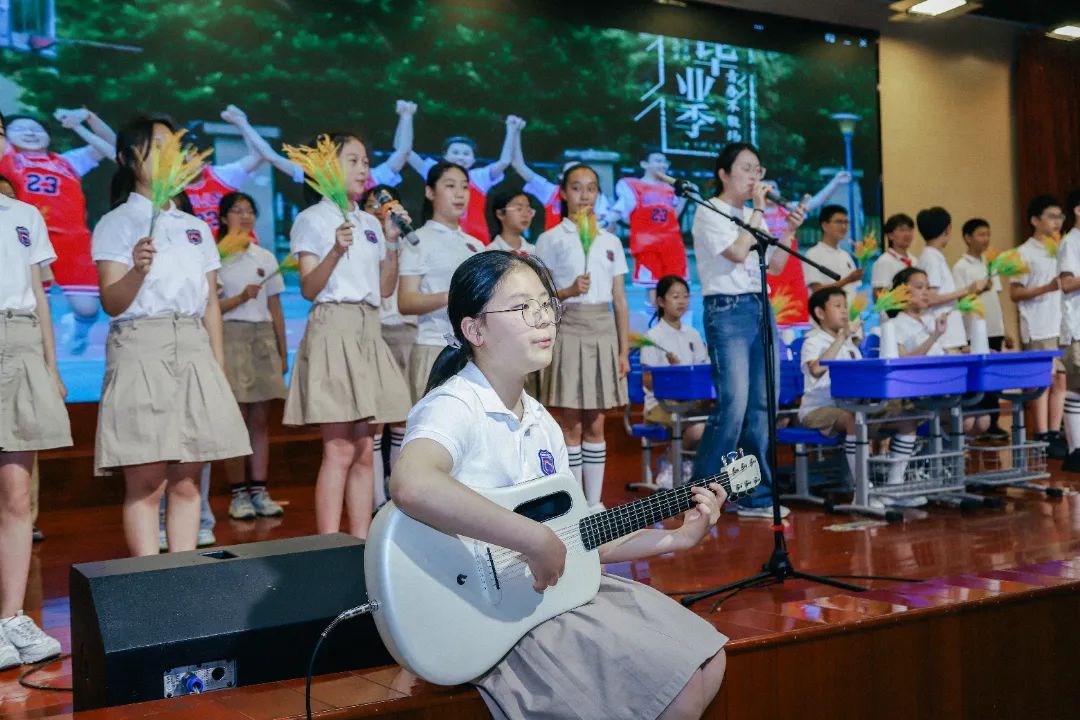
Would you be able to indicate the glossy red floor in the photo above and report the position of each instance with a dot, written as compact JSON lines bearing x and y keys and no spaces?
{"x":1031,"y":543}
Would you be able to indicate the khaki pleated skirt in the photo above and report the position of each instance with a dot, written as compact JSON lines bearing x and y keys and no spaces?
{"x":165,"y":398}
{"x":32,"y":413}
{"x":584,"y":369}
{"x":252,"y":362}
{"x":421,"y":361}
{"x":344,"y":370}
{"x":623,"y":656}
{"x":401,"y":338}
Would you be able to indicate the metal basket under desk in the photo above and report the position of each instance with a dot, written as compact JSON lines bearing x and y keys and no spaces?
{"x":1006,"y":464}
{"x":927,"y":474}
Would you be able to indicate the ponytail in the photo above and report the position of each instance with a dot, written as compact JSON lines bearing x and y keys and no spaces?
{"x":449,"y":363}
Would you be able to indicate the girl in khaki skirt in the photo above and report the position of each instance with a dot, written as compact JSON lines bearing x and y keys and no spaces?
{"x":587,"y":374}
{"x":344,"y":377}
{"x":32,"y":414}
{"x":426,"y":268}
{"x":630,"y":653}
{"x":256,"y":356}
{"x":166,"y":407}
{"x":399,"y":332}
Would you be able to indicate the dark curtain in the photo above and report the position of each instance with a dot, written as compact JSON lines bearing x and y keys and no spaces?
{"x":1047,"y":119}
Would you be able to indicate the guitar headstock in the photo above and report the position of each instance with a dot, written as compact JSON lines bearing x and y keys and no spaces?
{"x":740,"y":474}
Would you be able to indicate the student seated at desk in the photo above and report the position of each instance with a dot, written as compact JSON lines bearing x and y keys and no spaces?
{"x":675,"y":343}
{"x":920,"y":333}
{"x":831,"y":340}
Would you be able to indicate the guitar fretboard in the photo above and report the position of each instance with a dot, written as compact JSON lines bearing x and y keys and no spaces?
{"x":622,"y":520}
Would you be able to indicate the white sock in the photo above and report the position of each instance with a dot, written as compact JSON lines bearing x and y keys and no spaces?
{"x":396,"y":436}
{"x":901,"y":448}
{"x":379,"y":472}
{"x":1072,"y":419}
{"x":849,"y":454}
{"x":593,"y":456}
{"x":574,"y":452}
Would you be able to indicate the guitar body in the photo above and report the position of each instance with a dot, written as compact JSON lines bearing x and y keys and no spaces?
{"x":449,"y":608}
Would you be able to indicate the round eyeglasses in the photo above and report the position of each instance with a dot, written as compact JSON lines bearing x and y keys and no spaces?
{"x":533,"y":312}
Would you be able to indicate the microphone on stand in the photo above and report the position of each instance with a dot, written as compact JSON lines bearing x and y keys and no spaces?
{"x":682,"y":187}
{"x":385,"y":200}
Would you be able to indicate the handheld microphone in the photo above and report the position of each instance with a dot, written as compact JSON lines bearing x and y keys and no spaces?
{"x":682,"y":187}
{"x":385,"y":200}
{"x":779,"y":199}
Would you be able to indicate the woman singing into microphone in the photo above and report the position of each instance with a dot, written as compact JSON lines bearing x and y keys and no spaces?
{"x":730,"y":281}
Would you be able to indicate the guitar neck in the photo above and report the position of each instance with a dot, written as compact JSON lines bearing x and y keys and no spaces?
{"x":622,"y":520}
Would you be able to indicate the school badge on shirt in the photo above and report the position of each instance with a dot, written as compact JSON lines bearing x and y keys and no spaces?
{"x":23,"y":234}
{"x":547,"y":462}
{"x":611,"y":255}
{"x":194,"y":236}
{"x":371,"y":237}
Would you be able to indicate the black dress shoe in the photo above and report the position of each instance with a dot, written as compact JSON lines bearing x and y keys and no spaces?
{"x":1072,"y":462}
{"x":37,"y":535}
{"x":1058,"y":448}
{"x":996,"y":433}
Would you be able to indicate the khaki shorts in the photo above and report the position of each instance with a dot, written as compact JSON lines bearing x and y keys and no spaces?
{"x":659,"y":416}
{"x":1047,"y":344}
{"x":1071,"y":361}
{"x":824,"y":419}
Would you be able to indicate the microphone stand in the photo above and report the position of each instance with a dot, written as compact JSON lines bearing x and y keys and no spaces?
{"x":778,"y":567}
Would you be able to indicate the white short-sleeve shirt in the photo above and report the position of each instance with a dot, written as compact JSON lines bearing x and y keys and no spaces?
{"x":817,"y":391}
{"x":82,"y":160}
{"x":434,"y":259}
{"x":1068,"y":258}
{"x":356,"y":277}
{"x":560,"y":249}
{"x":970,"y":269}
{"x":911,"y":332}
{"x":835,"y":259}
{"x":886,"y":267}
{"x":713,"y":235}
{"x":527,"y":248}
{"x":940,"y":278}
{"x":186,"y":252}
{"x":233,"y":174}
{"x":251,"y":267}
{"x":1040,"y":318}
{"x":24,"y":241}
{"x":487,"y":443}
{"x":685,"y":342}
{"x":390,"y":314}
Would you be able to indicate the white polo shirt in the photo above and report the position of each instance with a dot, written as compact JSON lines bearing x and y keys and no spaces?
{"x":817,"y":391}
{"x":487,"y":443}
{"x":1040,"y":318}
{"x":685,"y":342}
{"x":911,"y":332}
{"x":713,"y":235}
{"x":440,"y":251}
{"x":887,"y":265}
{"x":24,"y":241}
{"x":940,"y":278}
{"x":970,"y":269}
{"x":186,"y":252}
{"x":1068,"y":258}
{"x":527,"y":248}
{"x":835,"y":259}
{"x":251,"y":267}
{"x":356,"y":277}
{"x":560,"y":249}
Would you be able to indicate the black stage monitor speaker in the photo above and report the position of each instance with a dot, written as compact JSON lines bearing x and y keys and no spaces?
{"x":153,"y":627}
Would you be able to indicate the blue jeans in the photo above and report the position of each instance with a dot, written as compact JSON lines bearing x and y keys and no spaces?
{"x":740,"y":416}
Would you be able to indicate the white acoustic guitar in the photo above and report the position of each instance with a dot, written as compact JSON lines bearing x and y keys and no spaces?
{"x":450,"y":607}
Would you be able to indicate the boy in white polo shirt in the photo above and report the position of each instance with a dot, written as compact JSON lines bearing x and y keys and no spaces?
{"x":1038,"y":298}
{"x":834,"y":228}
{"x":935,"y":225}
{"x":971,"y":268}
{"x":1068,"y":258}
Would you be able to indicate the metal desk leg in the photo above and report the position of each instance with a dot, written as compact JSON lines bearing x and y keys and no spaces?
{"x":861,"y":501}
{"x":675,"y":448}
{"x":802,"y":479}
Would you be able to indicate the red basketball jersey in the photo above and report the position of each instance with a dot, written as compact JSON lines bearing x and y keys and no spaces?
{"x":653,"y":220}
{"x":474,"y":221}
{"x":205,"y":195}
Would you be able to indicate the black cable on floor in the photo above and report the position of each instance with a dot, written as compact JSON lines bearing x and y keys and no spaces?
{"x":38,"y":666}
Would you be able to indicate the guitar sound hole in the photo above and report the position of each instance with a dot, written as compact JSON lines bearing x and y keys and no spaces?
{"x":545,"y":508}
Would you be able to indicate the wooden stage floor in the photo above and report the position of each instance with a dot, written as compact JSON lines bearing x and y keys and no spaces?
{"x":1002,"y":586}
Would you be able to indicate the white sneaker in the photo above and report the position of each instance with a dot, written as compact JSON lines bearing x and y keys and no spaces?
{"x":30,"y":640}
{"x":163,"y":541}
{"x":264,"y":505}
{"x":206,"y":538}
{"x":763,"y":512}
{"x":687,"y":470}
{"x":908,"y":501}
{"x":241,"y":507}
{"x":664,"y":476}
{"x":9,"y":654}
